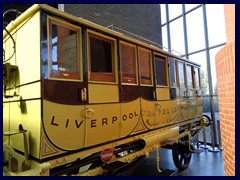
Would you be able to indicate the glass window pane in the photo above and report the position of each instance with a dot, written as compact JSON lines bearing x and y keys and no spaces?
{"x":163,"y":13}
{"x":145,"y":66}
{"x":216,"y":107}
{"x":189,"y":76}
{"x":177,"y":37}
{"x":207,"y":111}
{"x":174,"y":10}
{"x":172,"y":72}
{"x":196,"y":77}
{"x":200,"y":58}
{"x":64,"y":53}
{"x":181,"y":74}
{"x":128,"y":63}
{"x":195,"y":30}
{"x":213,"y":53}
{"x":190,"y":6}
{"x":216,"y":24}
{"x":101,"y":59}
{"x":164,"y":38}
{"x":160,"y":68}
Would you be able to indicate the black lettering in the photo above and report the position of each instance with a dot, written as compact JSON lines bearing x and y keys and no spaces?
{"x":52,"y":123}
{"x":135,"y":113}
{"x":78,"y":125}
{"x":67,"y":123}
{"x":114,"y":119}
{"x":93,"y":123}
{"x":124,"y":117}
{"x":104,"y":121}
{"x":131,"y":115}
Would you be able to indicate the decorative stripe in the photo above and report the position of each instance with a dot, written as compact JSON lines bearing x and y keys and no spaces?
{"x":47,"y":148}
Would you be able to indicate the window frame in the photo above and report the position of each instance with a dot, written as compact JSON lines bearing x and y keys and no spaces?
{"x":199,"y":81}
{"x":166,"y":70}
{"x":113,"y":42}
{"x":184,"y":74}
{"x":191,"y":66}
{"x":176,"y":72}
{"x":68,"y":25}
{"x":151,"y":66}
{"x":136,"y":63}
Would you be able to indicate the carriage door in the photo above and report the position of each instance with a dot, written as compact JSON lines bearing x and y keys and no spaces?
{"x":163,"y":112}
{"x":63,"y":85}
{"x":103,"y":110}
{"x":129,"y":88}
{"x":147,"y":91}
{"x":182,"y":90}
{"x":190,"y":93}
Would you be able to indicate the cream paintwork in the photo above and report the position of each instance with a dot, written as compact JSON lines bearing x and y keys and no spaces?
{"x":104,"y":125}
{"x":103,"y":93}
{"x":64,"y":125}
{"x":163,"y":93}
{"x":28,"y":61}
{"x":130,"y":117}
{"x":199,"y":105}
{"x":30,"y":121}
{"x":148,"y":112}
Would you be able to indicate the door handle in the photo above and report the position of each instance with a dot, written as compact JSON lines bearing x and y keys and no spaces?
{"x":82,"y":94}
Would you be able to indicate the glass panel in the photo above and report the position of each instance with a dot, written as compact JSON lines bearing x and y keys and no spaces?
{"x":64,"y":51}
{"x":177,"y":37}
{"x":164,"y":38}
{"x":216,"y":24}
{"x":181,"y":74}
{"x":189,"y":76}
{"x":128,"y":63}
{"x":101,"y":59}
{"x":145,"y":66}
{"x":172,"y":72}
{"x":196,"y":77}
{"x":200,"y":58}
{"x":160,"y":68}
{"x":206,"y":111}
{"x":195,"y":30}
{"x":213,"y":53}
{"x":174,"y":10}
{"x":190,"y":6}
{"x":163,"y":13}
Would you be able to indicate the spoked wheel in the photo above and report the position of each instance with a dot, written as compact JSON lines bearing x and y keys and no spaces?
{"x":181,"y":156}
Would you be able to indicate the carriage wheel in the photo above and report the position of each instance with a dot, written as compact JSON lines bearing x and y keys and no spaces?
{"x":181,"y":156}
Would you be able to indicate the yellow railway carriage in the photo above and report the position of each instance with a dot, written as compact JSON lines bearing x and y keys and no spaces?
{"x":80,"y":99}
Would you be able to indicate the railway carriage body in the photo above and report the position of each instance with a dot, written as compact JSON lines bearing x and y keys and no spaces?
{"x":73,"y":89}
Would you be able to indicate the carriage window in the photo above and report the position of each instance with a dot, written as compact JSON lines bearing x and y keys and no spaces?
{"x":181,"y":74}
{"x":101,"y":59}
{"x":64,"y":50}
{"x":145,"y":59}
{"x":160,"y":68}
{"x":189,"y":76}
{"x":128,"y":63}
{"x":172,"y":70}
{"x":196,"y":75}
